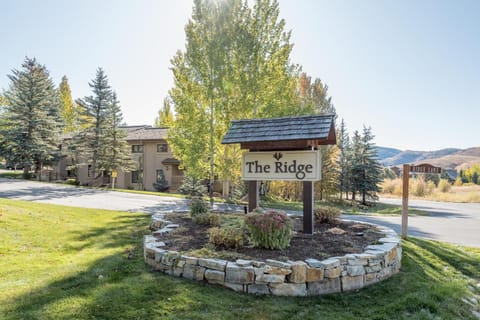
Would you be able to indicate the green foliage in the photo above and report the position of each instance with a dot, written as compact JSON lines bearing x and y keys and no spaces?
{"x":228,"y":238}
{"x":365,"y":171}
{"x":207,"y":218}
{"x":31,"y":123}
{"x":270,"y":230}
{"x":344,"y":160}
{"x":192,"y":186}
{"x":165,"y":117}
{"x":102,"y":143}
{"x":198,"y":206}
{"x":326,"y":214}
{"x":444,"y":185}
{"x":69,"y":109}
{"x":472,"y":174}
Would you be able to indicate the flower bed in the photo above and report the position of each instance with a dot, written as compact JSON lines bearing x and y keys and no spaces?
{"x":291,"y":278}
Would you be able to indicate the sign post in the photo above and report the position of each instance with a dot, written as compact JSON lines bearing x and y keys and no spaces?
{"x":114,"y":175}
{"x":406,"y":175}
{"x":421,"y":168}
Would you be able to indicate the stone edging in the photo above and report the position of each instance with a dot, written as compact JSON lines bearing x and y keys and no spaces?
{"x":292,"y":278}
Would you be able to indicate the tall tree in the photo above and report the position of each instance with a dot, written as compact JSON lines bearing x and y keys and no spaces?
{"x":344,"y":159}
{"x":366,"y":170}
{"x":95,"y":110}
{"x":236,"y":65}
{"x":31,"y":122}
{"x":115,"y":150}
{"x":69,"y":109}
{"x":165,"y":117}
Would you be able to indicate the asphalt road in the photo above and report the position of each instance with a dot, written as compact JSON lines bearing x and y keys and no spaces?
{"x":457,"y":223}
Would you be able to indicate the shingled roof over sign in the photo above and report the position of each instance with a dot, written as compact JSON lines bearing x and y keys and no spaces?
{"x":318,"y":128}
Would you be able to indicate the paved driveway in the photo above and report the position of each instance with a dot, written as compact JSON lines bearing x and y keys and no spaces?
{"x":451,"y":222}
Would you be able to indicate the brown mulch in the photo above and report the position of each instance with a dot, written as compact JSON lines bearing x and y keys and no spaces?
{"x":329,"y":240}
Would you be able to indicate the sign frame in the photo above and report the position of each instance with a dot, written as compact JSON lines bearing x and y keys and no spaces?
{"x":294,"y":165}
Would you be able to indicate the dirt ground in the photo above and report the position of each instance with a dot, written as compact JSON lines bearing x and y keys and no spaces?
{"x":329,"y":240}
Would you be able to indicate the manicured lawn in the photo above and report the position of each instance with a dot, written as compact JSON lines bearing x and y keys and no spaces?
{"x":71,"y":263}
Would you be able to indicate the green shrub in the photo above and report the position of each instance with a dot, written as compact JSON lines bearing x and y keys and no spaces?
{"x":227,"y":237}
{"x":193,"y":187}
{"x":326,"y":214}
{"x":209,"y":219}
{"x":198,"y":206}
{"x":271,"y":230}
{"x":444,"y":185}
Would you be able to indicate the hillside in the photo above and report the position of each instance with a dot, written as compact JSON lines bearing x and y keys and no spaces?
{"x":450,"y":158}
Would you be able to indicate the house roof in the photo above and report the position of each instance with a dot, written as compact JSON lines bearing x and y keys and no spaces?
{"x":319,"y":128}
{"x":135,"y":133}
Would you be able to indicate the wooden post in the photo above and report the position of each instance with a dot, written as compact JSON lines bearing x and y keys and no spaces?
{"x":406,"y":175}
{"x":252,"y":195}
{"x":308,"y":222}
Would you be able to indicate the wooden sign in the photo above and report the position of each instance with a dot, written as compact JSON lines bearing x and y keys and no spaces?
{"x":114,"y":173}
{"x":425,"y":168}
{"x":282,"y":165}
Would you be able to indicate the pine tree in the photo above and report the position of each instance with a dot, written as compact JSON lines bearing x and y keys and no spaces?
{"x":344,"y":159}
{"x":366,"y":173}
{"x":115,"y":151}
{"x":31,"y":123}
{"x":69,"y":109}
{"x":95,"y":110}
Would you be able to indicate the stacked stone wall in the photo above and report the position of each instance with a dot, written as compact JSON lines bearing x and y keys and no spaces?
{"x":291,"y":278}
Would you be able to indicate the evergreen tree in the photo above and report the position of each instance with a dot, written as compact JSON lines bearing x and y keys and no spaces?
{"x":165,"y":117}
{"x":31,"y":123}
{"x":69,"y":109}
{"x":344,"y":160}
{"x":366,"y":170}
{"x":115,"y":151}
{"x":95,"y":111}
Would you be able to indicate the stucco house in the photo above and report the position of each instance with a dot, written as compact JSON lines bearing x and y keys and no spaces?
{"x":154,"y":162}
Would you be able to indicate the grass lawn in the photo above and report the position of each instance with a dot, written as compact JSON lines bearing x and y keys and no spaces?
{"x":72,"y":263}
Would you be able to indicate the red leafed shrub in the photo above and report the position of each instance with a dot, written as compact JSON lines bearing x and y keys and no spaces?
{"x":271,"y":229}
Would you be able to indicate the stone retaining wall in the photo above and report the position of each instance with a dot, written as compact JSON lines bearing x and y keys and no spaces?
{"x":292,"y":278}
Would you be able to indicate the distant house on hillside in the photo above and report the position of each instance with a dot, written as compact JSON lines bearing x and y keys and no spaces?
{"x":155,"y":164}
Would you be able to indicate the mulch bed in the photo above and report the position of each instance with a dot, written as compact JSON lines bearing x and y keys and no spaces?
{"x":329,"y":240}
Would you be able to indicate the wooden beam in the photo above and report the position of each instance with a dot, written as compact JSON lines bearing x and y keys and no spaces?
{"x":252,"y":195}
{"x":308,"y":222}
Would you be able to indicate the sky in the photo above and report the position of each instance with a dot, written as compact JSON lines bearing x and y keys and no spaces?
{"x":409,"y":69}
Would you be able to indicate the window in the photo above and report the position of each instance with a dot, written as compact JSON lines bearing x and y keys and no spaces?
{"x":89,"y":171}
{"x":162,"y":147}
{"x":137,"y":176}
{"x":137,"y":148}
{"x":160,"y":175}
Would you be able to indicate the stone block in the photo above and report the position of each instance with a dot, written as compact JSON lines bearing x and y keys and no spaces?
{"x":314,"y":274}
{"x":355,"y":270}
{"x":373,"y":269}
{"x":190,"y":260}
{"x":314,"y":263}
{"x":371,"y":278}
{"x":278,"y":264}
{"x":299,"y":272}
{"x":352,"y":283}
{"x":330,"y":263}
{"x":325,"y":286}
{"x":159,"y":254}
{"x":258,"y":289}
{"x":200,"y":273}
{"x":237,"y":274}
{"x":276,"y":270}
{"x":391,"y":257}
{"x":244,"y":263}
{"x":215,"y":276}
{"x":289,"y":289}
{"x":234,"y":286}
{"x":215,"y":264}
{"x":270,"y":278}
{"x":333,"y":273}
{"x":189,"y":271}
{"x":357,"y":261}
